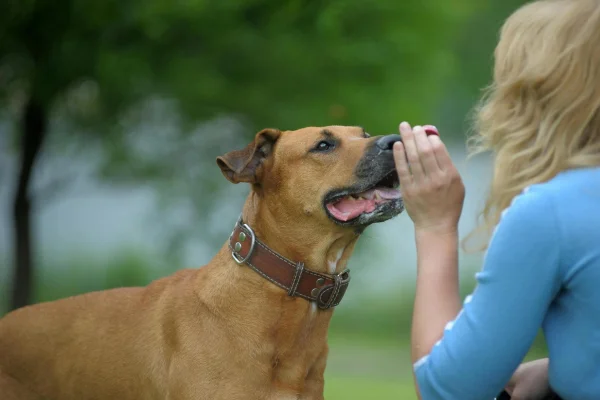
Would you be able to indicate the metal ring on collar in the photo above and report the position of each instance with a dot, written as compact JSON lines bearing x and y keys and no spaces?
{"x":252,"y":244}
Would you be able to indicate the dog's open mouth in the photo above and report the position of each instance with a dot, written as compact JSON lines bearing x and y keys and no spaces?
{"x":379,"y":200}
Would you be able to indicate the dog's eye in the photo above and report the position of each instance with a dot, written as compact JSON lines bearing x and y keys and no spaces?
{"x":324,"y":145}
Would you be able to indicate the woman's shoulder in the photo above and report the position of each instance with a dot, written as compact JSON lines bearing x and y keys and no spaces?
{"x":571,"y":201}
{"x":568,"y":188}
{"x":566,"y":201}
{"x":572,"y":179}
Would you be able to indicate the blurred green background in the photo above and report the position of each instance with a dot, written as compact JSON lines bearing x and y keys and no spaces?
{"x":112,"y":114}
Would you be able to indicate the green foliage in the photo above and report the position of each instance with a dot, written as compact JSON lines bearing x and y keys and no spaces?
{"x":82,"y":273}
{"x":125,"y":81}
{"x":474,"y":48}
{"x":285,"y":64}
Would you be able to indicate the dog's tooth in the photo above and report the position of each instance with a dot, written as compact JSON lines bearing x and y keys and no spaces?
{"x":377,"y":195}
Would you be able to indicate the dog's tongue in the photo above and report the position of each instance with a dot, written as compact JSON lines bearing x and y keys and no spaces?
{"x":349,"y":208}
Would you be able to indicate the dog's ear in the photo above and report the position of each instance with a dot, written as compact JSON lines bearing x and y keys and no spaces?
{"x":242,"y":165}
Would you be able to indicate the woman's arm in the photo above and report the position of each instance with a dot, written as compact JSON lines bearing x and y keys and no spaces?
{"x":477,"y":351}
{"x":433,"y":194}
{"x":437,"y":298}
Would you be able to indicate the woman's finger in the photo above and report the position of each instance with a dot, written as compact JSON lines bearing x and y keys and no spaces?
{"x":402,"y":165}
{"x":426,"y":153}
{"x":410,"y":147}
{"x":441,"y":153}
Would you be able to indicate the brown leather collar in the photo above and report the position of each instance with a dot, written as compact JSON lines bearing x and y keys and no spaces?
{"x":326,"y":290}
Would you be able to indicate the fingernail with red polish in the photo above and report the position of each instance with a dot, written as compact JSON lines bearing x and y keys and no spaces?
{"x":431,"y":130}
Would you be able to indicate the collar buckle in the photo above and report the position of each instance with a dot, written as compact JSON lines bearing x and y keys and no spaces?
{"x":238,"y":245}
{"x":340,"y":280}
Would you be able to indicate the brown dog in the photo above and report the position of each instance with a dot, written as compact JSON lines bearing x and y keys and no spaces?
{"x":252,"y":324}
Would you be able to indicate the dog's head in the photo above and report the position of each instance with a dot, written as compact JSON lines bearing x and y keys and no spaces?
{"x":335,"y":175}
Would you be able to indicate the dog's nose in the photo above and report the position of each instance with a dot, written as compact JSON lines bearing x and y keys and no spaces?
{"x":387,"y":142}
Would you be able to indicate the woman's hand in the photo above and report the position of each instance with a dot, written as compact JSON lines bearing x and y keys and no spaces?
{"x":432,"y":189}
{"x":530,"y":381}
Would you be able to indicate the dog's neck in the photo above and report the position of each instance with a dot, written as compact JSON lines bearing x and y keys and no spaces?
{"x":288,"y":333}
{"x":297,"y":238}
{"x":320,"y":250}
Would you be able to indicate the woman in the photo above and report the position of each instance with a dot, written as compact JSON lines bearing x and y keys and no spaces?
{"x":541,"y":120}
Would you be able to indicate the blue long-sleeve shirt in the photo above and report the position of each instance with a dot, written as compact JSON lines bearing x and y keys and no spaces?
{"x":541,"y":269}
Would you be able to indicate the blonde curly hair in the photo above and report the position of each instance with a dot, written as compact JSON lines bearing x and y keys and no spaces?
{"x":541,"y":114}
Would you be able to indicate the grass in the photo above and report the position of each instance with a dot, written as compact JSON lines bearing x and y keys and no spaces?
{"x":366,"y":369}
{"x":359,"y":369}
{"x":346,"y":388}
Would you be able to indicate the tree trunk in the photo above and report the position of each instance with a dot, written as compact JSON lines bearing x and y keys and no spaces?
{"x":33,"y":130}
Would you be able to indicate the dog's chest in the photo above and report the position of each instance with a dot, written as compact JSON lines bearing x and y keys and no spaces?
{"x":297,"y":364}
